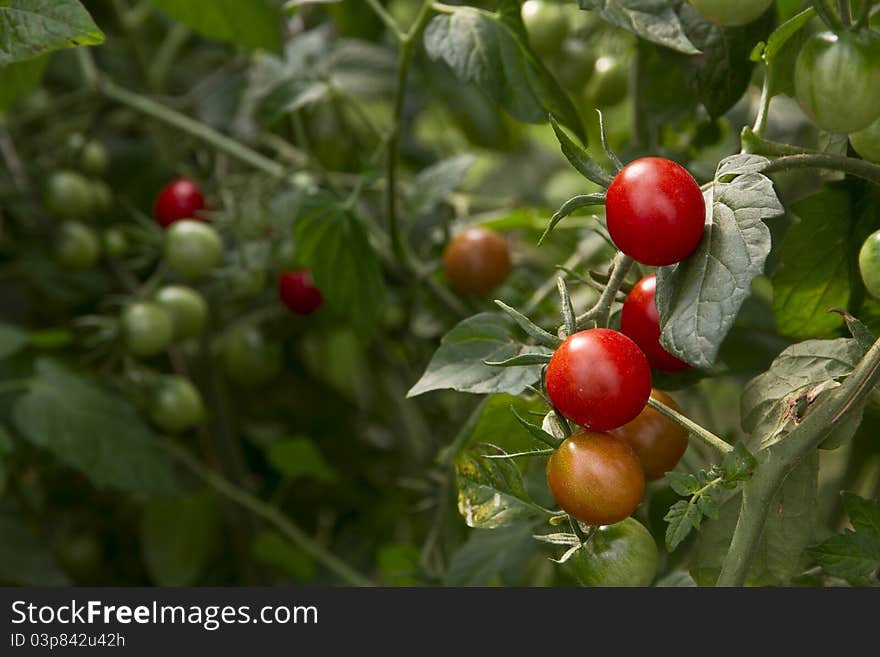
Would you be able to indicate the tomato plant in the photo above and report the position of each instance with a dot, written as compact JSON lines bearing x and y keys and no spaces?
{"x":192,"y":249}
{"x":298,"y":293}
{"x":640,"y":321}
{"x":179,"y":199}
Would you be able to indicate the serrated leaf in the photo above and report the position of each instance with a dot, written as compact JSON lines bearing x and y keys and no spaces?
{"x":249,"y":23}
{"x":863,"y":514}
{"x":738,"y":464}
{"x":91,"y":430}
{"x":654,"y":20}
{"x":24,"y":558}
{"x":12,"y":339}
{"x":698,"y":299}
{"x":491,"y":492}
{"x":682,"y":518}
{"x":708,"y":505}
{"x":850,"y":556}
{"x":30,"y":28}
{"x":683,"y":483}
{"x":459,"y":362}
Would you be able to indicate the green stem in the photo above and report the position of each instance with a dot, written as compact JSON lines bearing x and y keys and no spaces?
{"x":766,"y":97}
{"x":386,"y":18}
{"x":271,"y":515}
{"x":167,"y":53}
{"x":845,"y":13}
{"x":704,"y":435}
{"x":601,"y":312}
{"x":827,"y":15}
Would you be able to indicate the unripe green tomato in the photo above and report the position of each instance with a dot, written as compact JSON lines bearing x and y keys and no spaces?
{"x":192,"y":248}
{"x":69,"y":195}
{"x":77,"y":246}
{"x":837,"y":80}
{"x":115,"y":242}
{"x":81,"y":554}
{"x":186,"y":307}
{"x":869,"y":264}
{"x":546,"y":24}
{"x":577,"y":63}
{"x":731,"y":12}
{"x":248,"y":358}
{"x":146,"y":328}
{"x":101,"y":196}
{"x":623,"y":554}
{"x":610,"y":81}
{"x":93,"y":158}
{"x":176,"y":405}
{"x":867,"y":142}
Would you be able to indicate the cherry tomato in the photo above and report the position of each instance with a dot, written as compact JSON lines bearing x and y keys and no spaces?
{"x":115,"y":242}
{"x":869,"y":264}
{"x":186,"y":307}
{"x":477,"y":260}
{"x":69,"y":195}
{"x":867,"y":142}
{"x":837,"y":80}
{"x":655,"y":211}
{"x":546,"y":24}
{"x":249,"y":359}
{"x":192,"y":249}
{"x":599,"y":379}
{"x":176,"y":405}
{"x":731,"y":12}
{"x":77,"y":246}
{"x":610,"y":81}
{"x":93,"y":158}
{"x":622,"y":554}
{"x":659,"y":442}
{"x":180,"y":199}
{"x":297,"y":291}
{"x":640,"y":321}
{"x":146,"y":328}
{"x":596,"y":478}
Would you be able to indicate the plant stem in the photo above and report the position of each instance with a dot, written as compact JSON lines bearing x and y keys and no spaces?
{"x":704,"y":435}
{"x":601,"y":312}
{"x":271,"y":515}
{"x":777,"y":462}
{"x":761,"y":119}
{"x":845,"y":14}
{"x":386,"y":18}
{"x":827,"y":15}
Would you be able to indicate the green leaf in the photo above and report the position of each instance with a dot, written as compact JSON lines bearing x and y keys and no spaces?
{"x":436,"y":183}
{"x":683,"y":483}
{"x":91,"y":430}
{"x":533,"y":330}
{"x":177,"y":537}
{"x":459,"y":362}
{"x":850,"y":556}
{"x":484,"y":50}
{"x":683,"y":516}
{"x":770,"y":402}
{"x":488,"y":554}
{"x":863,"y":514}
{"x":571,"y":205}
{"x":30,"y":28}
{"x":534,"y":431}
{"x":699,"y":298}
{"x":654,"y":20}
{"x":19,"y":78}
{"x":24,"y":558}
{"x":296,"y":458}
{"x":786,"y":31}
{"x":12,"y":339}
{"x":399,"y":564}
{"x":813,"y":275}
{"x":249,"y":23}
{"x":738,"y":465}
{"x":334,"y":244}
{"x":579,"y":158}
{"x":271,"y":548}
{"x":491,"y":492}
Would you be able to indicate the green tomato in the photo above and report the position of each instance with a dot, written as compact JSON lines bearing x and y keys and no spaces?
{"x":115,"y":242}
{"x":731,"y":12}
{"x":623,"y":554}
{"x":186,"y":307}
{"x":81,"y":555}
{"x":69,"y":195}
{"x":546,"y":24}
{"x":576,"y":66}
{"x":93,"y":158}
{"x":869,"y":264}
{"x":610,"y":82}
{"x":176,"y":405}
{"x":77,"y":246}
{"x":837,"y":80}
{"x":101,"y":196}
{"x":192,"y":248}
{"x":867,"y":142}
{"x":248,"y":358}
{"x":146,"y":328}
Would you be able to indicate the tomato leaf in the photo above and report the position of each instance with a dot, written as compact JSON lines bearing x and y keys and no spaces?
{"x":19,"y":78}
{"x":249,"y":23}
{"x":489,"y":555}
{"x":30,"y":28}
{"x":654,"y":20}
{"x":683,"y":516}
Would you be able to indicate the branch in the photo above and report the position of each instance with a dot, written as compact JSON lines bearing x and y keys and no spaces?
{"x":601,"y":312}
{"x":694,"y":429}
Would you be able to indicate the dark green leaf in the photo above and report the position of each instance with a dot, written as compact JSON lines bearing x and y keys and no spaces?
{"x":19,"y":78}
{"x":579,"y":158}
{"x":543,"y":337}
{"x":300,"y":457}
{"x":738,"y":464}
{"x":488,"y":554}
{"x":30,"y":28}
{"x":682,"y":518}
{"x":863,"y":514}
{"x":683,"y":483}
{"x":850,"y":556}
{"x":536,"y":432}
{"x":654,"y":20}
{"x":249,"y":23}
{"x":572,"y":204}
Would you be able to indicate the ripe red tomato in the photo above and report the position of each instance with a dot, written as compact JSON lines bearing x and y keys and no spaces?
{"x":655,"y":211}
{"x":596,"y":478}
{"x":659,"y":442}
{"x":180,"y":199}
{"x":477,"y":260}
{"x":297,"y":291}
{"x":640,"y":321}
{"x":599,"y":379}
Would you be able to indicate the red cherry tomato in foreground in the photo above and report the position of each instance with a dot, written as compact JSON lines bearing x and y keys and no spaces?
{"x":659,"y":442}
{"x":655,"y":211}
{"x":640,"y":321}
{"x":596,"y":478}
{"x":297,"y":291}
{"x":599,"y":379}
{"x":180,"y":199}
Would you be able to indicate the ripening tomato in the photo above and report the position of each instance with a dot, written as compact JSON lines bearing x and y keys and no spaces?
{"x":297,"y":291}
{"x":622,"y":554}
{"x":640,"y":321}
{"x":655,"y":211}
{"x":192,"y":249}
{"x":596,"y":478}
{"x":176,"y":405}
{"x":146,"y":328}
{"x":599,"y":379}
{"x":180,"y":199}
{"x":659,"y":442}
{"x":731,"y":13}
{"x":477,"y":260}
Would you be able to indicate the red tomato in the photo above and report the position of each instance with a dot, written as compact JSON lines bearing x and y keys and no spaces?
{"x":655,"y":211}
{"x":599,"y":379}
{"x":180,"y":199}
{"x":477,"y":260}
{"x":297,"y":291}
{"x":640,"y":321}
